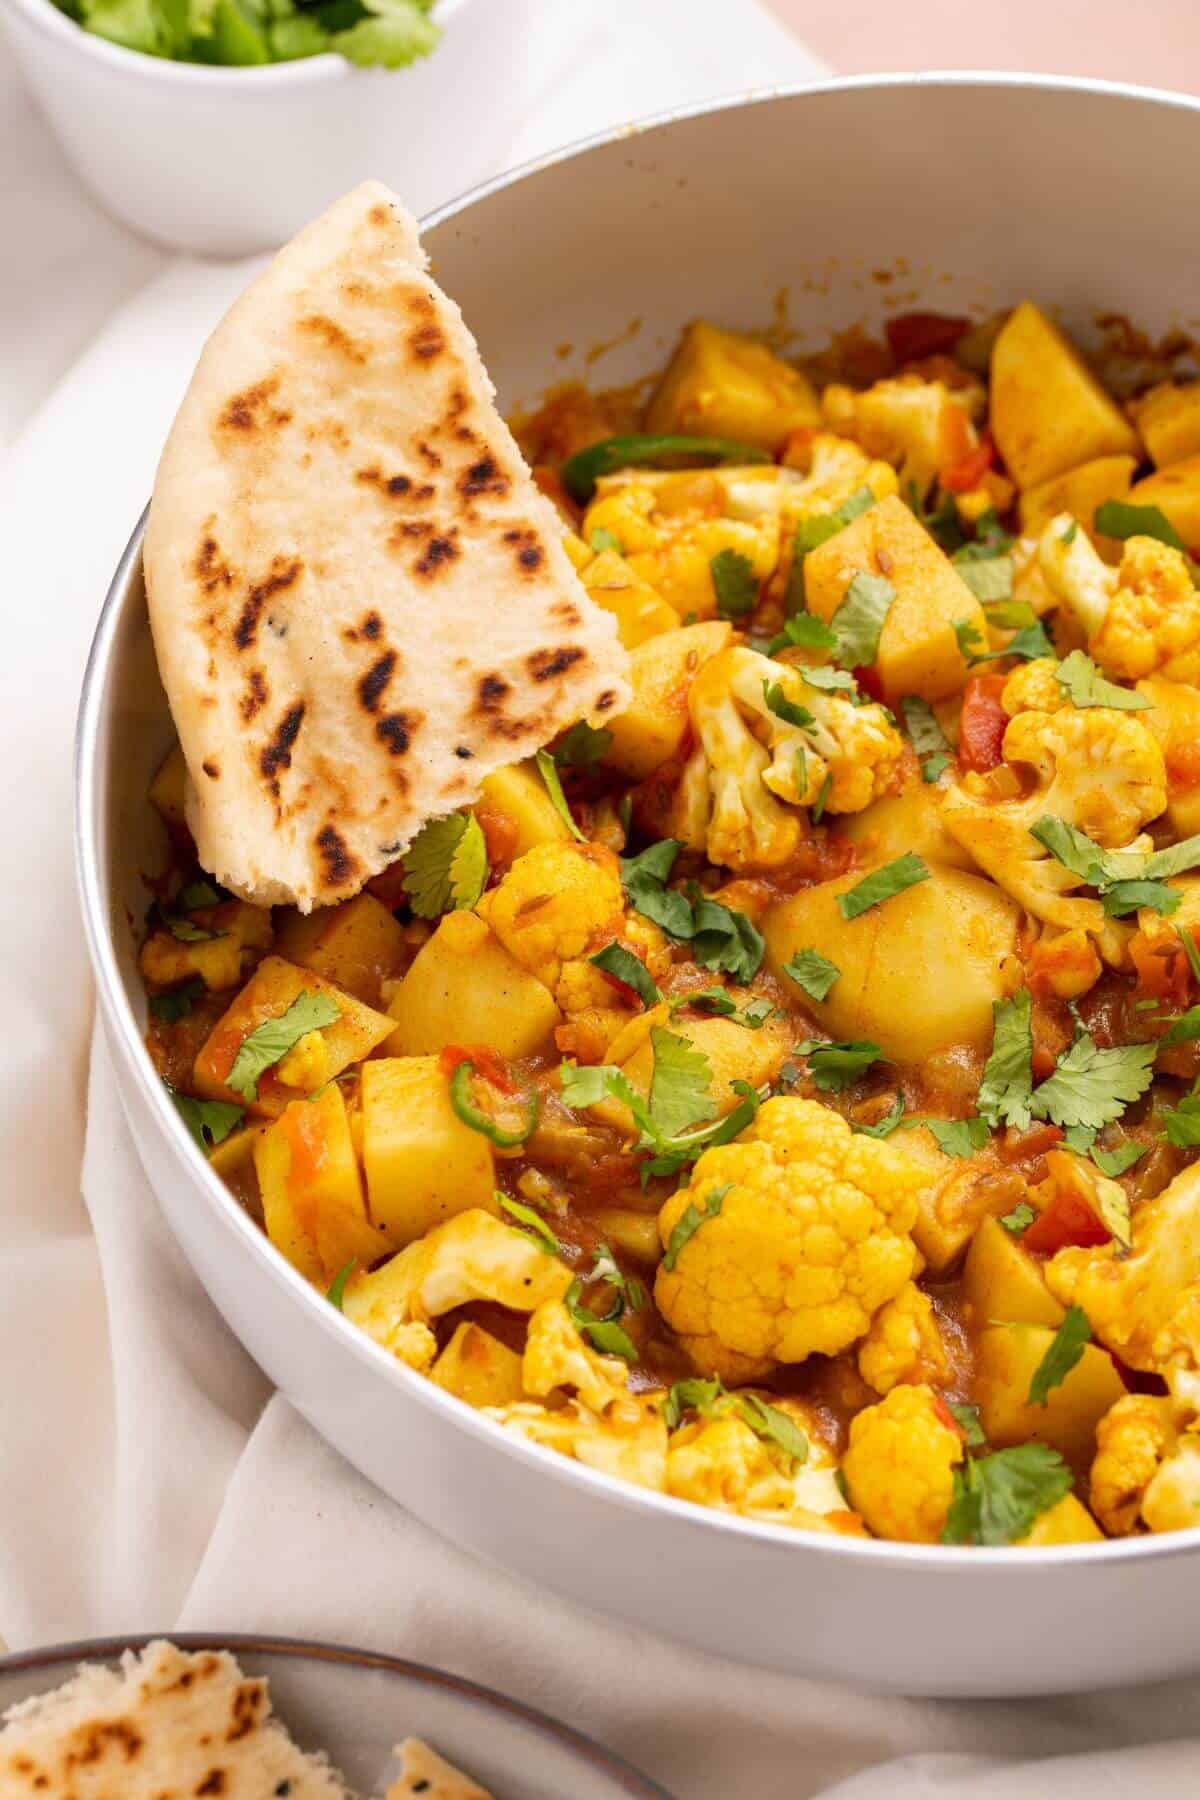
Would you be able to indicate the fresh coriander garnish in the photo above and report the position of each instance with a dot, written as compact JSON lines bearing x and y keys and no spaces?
{"x":988,"y":575}
{"x":531,"y":1221}
{"x":997,"y":1498}
{"x":813,"y":531}
{"x":1006,"y":1089}
{"x":1069,"y":1343}
{"x":1084,"y":685}
{"x":209,"y":1121}
{"x":1185,"y":1029}
{"x":679,"y":1098}
{"x":695,"y":1214}
{"x":625,"y":967}
{"x":734,"y":583}
{"x":548,"y":770}
{"x":581,"y":472}
{"x":858,"y":622}
{"x":679,"y":1085}
{"x":1119,"y":1161}
{"x":928,"y":739}
{"x":582,"y":746}
{"x":812,"y":972}
{"x":604,"y":1335}
{"x":830,"y":681}
{"x":966,"y":1416}
{"x":803,"y":630}
{"x":883,"y":1127}
{"x":837,"y":1065}
{"x":783,"y":708}
{"x":1181,"y":1124}
{"x":720,"y":1004}
{"x":1016,"y":1221}
{"x":603,"y":539}
{"x":721,"y":938}
{"x":1191,"y":950}
{"x":883,"y":884}
{"x":954,"y":1137}
{"x":1091,"y":1086}
{"x":177,"y":1002}
{"x":270,"y":1042}
{"x":446,"y":866}
{"x":711,"y":1400}
{"x":1122,"y":519}
{"x":822,"y":799}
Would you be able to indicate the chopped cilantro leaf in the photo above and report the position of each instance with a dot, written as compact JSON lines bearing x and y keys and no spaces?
{"x":989,"y":577}
{"x":1181,"y":1124}
{"x":604,"y":539}
{"x":624,"y":966}
{"x":955,"y":1137}
{"x":548,"y":770}
{"x":942,"y":522}
{"x":644,"y":878}
{"x":177,"y":1002}
{"x":928,"y":739}
{"x":1069,"y":1343}
{"x":717,"y":1001}
{"x":970,"y":639}
{"x":604,"y":1335}
{"x":831,"y":681}
{"x":209,"y":1121}
{"x":199,"y":893}
{"x":335,"y":1293}
{"x":446,"y":866}
{"x":883,"y":1127}
{"x":783,"y":708}
{"x":711,"y":1399}
{"x":1191,"y":950}
{"x":966,"y":1417}
{"x":836,"y":1065}
{"x":1122,"y":519}
{"x":1124,"y":897}
{"x":1084,"y":685}
{"x":805,"y":631}
{"x":773,"y":1426}
{"x":724,"y":939}
{"x":1005,"y":1091}
{"x":819,"y":804}
{"x":270,"y":1042}
{"x":1021,"y":1215}
{"x":812,"y":972}
{"x":1185,"y":1030}
{"x":531,"y":1221}
{"x":693,"y":1216}
{"x":582,"y":746}
{"x":1093,"y":1087}
{"x":859,"y":620}
{"x":997,"y":1498}
{"x":679,"y":1087}
{"x":734,"y":583}
{"x":883,"y":884}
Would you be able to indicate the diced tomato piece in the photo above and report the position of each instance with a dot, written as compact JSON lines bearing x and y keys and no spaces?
{"x":983,"y":723}
{"x":870,"y":681}
{"x":500,"y":833}
{"x":486,"y":1062}
{"x":1183,"y":765}
{"x":917,"y":334}
{"x":946,"y":1416}
{"x":1067,"y":1220}
{"x":1022,"y":1146}
{"x":1162,"y":969}
{"x":970,"y":470}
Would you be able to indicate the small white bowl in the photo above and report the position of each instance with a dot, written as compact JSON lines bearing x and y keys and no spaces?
{"x":229,"y":161}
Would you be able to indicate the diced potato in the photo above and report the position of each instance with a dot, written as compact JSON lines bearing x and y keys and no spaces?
{"x":233,"y":1161}
{"x":962,"y":1192}
{"x":519,"y":792}
{"x":1175,"y":721}
{"x":918,"y":973}
{"x":635,"y":1233}
{"x":168,"y":788}
{"x":357,"y":945}
{"x":1175,"y":490}
{"x":166,"y":960}
{"x":1001,"y":1281}
{"x":1168,"y":418}
{"x":909,"y":820}
{"x":1067,"y":1522}
{"x":478,"y":1368}
{"x":721,"y":384}
{"x":312,"y":1194}
{"x":640,"y":612}
{"x":918,"y":649}
{"x":733,"y":1052}
{"x":1007,"y":1358}
{"x":1048,"y":411}
{"x":269,"y":992}
{"x":423,"y":1163}
{"x":661,"y":672}
{"x":465,"y":988}
{"x":1079,"y":492}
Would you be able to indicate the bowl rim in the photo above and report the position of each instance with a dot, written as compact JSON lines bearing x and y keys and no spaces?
{"x":320,"y":1650}
{"x":990,"y":1562}
{"x":250,"y":80}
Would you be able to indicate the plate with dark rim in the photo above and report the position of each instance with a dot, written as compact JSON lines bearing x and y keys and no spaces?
{"x":357,"y":1704}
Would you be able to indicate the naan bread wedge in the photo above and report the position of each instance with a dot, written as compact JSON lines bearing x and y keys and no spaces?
{"x":168,"y":1725}
{"x":360,"y":602}
{"x":423,"y":1771}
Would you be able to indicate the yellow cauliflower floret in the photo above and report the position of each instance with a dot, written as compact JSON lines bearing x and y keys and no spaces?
{"x":630,"y":1442}
{"x":919,"y":426}
{"x":831,"y":470}
{"x":556,"y":1356}
{"x":807,"y":1236}
{"x":904,"y":1343}
{"x":594,"y":1011}
{"x":720,"y":1462}
{"x":1140,"y":618}
{"x":221,"y":961}
{"x":471,"y":1257}
{"x":899,"y":1466}
{"x":748,"y":759}
{"x":1032,"y":688}
{"x":555,"y":901}
{"x":1132,"y":1439}
{"x":307,"y":1063}
{"x":1098,"y":769}
{"x":1145,"y":1306}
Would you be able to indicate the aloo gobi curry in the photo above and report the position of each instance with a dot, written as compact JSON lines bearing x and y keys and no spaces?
{"x":785,"y":1096}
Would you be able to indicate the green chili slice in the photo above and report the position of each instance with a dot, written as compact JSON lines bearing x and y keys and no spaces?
{"x":581,"y":472}
{"x":491,"y":1118}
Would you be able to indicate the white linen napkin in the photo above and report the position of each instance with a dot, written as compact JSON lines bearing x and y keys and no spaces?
{"x":148,"y":1479}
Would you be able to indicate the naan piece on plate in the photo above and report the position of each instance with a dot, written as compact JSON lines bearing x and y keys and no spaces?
{"x":423,"y":1771}
{"x":360,"y":602}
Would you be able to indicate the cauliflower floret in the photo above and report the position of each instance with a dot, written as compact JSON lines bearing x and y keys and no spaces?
{"x":471,"y":1257}
{"x":904,"y":1343}
{"x":1032,"y":688}
{"x":221,"y":961}
{"x":720,"y":1462}
{"x":1099,"y":769}
{"x":899,"y":1466}
{"x":748,"y":759}
{"x":1141,"y":618}
{"x":595,"y":1012}
{"x":556,"y":1356}
{"x":1144,"y":1306}
{"x":806,"y":1237}
{"x":630,"y":1443}
{"x":917,"y":425}
{"x":1147,"y":1466}
{"x":555,"y":903}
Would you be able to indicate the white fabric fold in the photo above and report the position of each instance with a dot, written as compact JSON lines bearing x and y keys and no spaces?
{"x":147,"y":1479}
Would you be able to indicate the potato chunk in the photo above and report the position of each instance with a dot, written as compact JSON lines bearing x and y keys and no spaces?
{"x":1175,"y":722}
{"x":519,"y":792}
{"x":909,"y":820}
{"x":661,"y":672}
{"x":267,"y":995}
{"x":1002,"y":1281}
{"x":1079,"y":492}
{"x":423,"y":1164}
{"x":733,"y":1052}
{"x":640,"y":612}
{"x":1068,"y":1522}
{"x":719,"y":383}
{"x":312,"y":1196}
{"x":478,"y":1368}
{"x":918,"y":648}
{"x":1175,"y":490}
{"x":168,"y":789}
{"x":1048,"y":411}
{"x":1168,"y":418}
{"x":1007,"y":1358}
{"x":918,"y":973}
{"x":356,"y":945}
{"x":465,"y":988}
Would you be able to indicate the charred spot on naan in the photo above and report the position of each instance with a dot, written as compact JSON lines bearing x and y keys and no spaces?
{"x":441,"y":548}
{"x":254,"y":409}
{"x":546,"y":665}
{"x":528,"y":551}
{"x":395,"y":732}
{"x":369,"y":627}
{"x":484,"y":476}
{"x":332,"y":335}
{"x":210,"y":568}
{"x":276,"y":754}
{"x":249,"y":1699}
{"x":256,"y":695}
{"x":426,"y":340}
{"x":282,"y":573}
{"x":338,"y":866}
{"x":372,"y":685}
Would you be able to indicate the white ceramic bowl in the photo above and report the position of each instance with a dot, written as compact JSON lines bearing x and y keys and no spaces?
{"x":225,"y":162}
{"x":951,"y":191}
